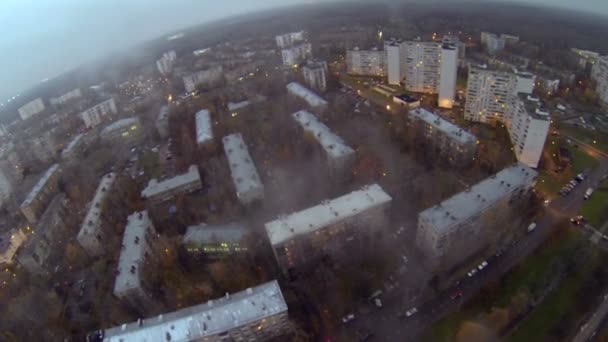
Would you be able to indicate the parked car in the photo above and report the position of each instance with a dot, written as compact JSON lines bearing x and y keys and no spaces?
{"x":378,"y":303}
{"x":531,"y":227}
{"x":348,"y":318}
{"x":411,"y":312}
{"x":578,"y":220}
{"x":588,"y":193}
{"x":482,"y":265}
{"x":472,"y":272}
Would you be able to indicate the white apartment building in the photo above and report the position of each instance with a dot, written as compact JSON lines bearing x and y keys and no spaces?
{"x":160,"y":191}
{"x":127,"y":130}
{"x":296,"y":54}
{"x":492,"y":42}
{"x":448,"y":70}
{"x":313,"y":100}
{"x":255,"y":314}
{"x":166,"y":62}
{"x":395,"y":61}
{"x":289,"y":39}
{"x":600,"y":74}
{"x":366,"y":62}
{"x":10,"y":242}
{"x":529,"y":129}
{"x":247,"y":182}
{"x":330,"y":228}
{"x":204,"y":129}
{"x":73,"y":147}
{"x":215,"y":241}
{"x":92,"y":236}
{"x":461,"y":226}
{"x":97,"y":114}
{"x":6,"y":185}
{"x":37,"y":199}
{"x":31,"y":108}
{"x":66,"y":98}
{"x":586,"y":57}
{"x":162,"y":122}
{"x":136,"y":254}
{"x":338,"y":155}
{"x":204,"y":77}
{"x":315,"y":75}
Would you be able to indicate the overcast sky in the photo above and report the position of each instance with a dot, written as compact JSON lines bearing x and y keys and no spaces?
{"x":43,"y":38}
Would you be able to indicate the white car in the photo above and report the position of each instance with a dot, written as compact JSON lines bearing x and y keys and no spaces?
{"x":411,"y":312}
{"x":472,"y":272}
{"x":378,"y":302}
{"x":482,"y":265}
{"x":348,"y":318}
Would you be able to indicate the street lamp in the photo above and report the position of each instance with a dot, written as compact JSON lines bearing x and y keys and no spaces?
{"x":388,"y":107}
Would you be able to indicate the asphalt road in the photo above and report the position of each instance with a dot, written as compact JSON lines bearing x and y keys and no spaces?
{"x":384,"y":322}
{"x":588,"y":329}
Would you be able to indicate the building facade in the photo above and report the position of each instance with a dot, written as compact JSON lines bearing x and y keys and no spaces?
{"x":331,"y":228}
{"x":245,"y":177}
{"x":366,"y":62}
{"x":448,"y":71}
{"x":461,"y":226}
{"x":161,"y":191}
{"x":99,"y":113}
{"x":10,"y":243}
{"x":92,"y":237}
{"x":31,"y":108}
{"x":255,"y":314}
{"x":66,"y":98}
{"x":489,"y":92}
{"x":215,"y":241}
{"x":36,"y":201}
{"x":315,"y":75}
{"x":300,"y":91}
{"x":162,"y":122}
{"x":600,"y":74}
{"x":166,"y":62}
{"x":206,"y":77}
{"x":296,"y":54}
{"x":124,"y":131}
{"x":529,"y":129}
{"x":289,"y":39}
{"x":395,"y":61}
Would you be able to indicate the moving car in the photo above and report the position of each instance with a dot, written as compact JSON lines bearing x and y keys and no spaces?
{"x":472,"y":272}
{"x":578,"y":220}
{"x":482,"y":265}
{"x":588,"y":193}
{"x":531,"y":227}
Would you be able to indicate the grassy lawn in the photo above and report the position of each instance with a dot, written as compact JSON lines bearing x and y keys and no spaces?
{"x":587,"y":136}
{"x":150,"y":164}
{"x":581,"y":160}
{"x":596,"y":206}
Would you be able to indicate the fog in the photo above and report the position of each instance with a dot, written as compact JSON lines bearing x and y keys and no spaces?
{"x":43,"y":38}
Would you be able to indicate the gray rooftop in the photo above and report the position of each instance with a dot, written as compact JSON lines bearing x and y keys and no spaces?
{"x":448,"y":128}
{"x":132,"y":252}
{"x":306,"y":94}
{"x":203,"y":233}
{"x":120,"y":124}
{"x":155,"y":187}
{"x":40,"y":185}
{"x":244,"y":173}
{"x":480,"y":196}
{"x":72,"y":144}
{"x":325,"y":214}
{"x":238,"y":105}
{"x":204,"y":133}
{"x":534,"y":107}
{"x":333,"y":145}
{"x":90,"y":225}
{"x":215,"y":316}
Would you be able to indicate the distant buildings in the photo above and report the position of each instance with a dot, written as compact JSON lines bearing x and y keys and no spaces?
{"x":66,"y":98}
{"x":91,"y":236}
{"x":136,"y":254}
{"x":97,"y":114}
{"x":215,"y":241}
{"x":338,"y":156}
{"x":204,"y":131}
{"x":332,"y":228}
{"x":289,"y":39}
{"x":203,"y":78}
{"x":10,"y":243}
{"x":256,"y":314}
{"x":31,"y":108}
{"x":40,"y":195}
{"x":160,"y":191}
{"x":366,"y":62}
{"x":599,"y":73}
{"x":313,"y":100}
{"x":529,"y":129}
{"x":247,"y":182}
{"x":586,"y":58}
{"x":463,"y":225}
{"x":166,"y":62}
{"x":494,"y":43}
{"x":124,"y":131}
{"x":296,"y":54}
{"x":315,"y":75}
{"x":44,"y":249}
{"x":162,"y":122}
{"x":450,"y":143}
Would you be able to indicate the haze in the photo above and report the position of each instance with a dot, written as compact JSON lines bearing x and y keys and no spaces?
{"x":45,"y":38}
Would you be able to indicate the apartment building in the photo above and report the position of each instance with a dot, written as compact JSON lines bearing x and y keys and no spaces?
{"x":489,"y":92}
{"x":492,"y":42}
{"x":206,"y":77}
{"x":366,"y":62}
{"x":215,"y":241}
{"x":337,"y":154}
{"x":10,"y":243}
{"x":165,"y":63}
{"x":163,"y":190}
{"x":395,"y":61}
{"x":204,"y":129}
{"x":255,"y":314}
{"x":451,"y":144}
{"x":99,"y":113}
{"x":529,"y":129}
{"x":124,"y":131}
{"x":162,"y":122}
{"x":136,"y":255}
{"x":74,"y":147}
{"x":315,"y":75}
{"x":40,"y":195}
{"x":462,"y":226}
{"x":92,"y":237}
{"x":6,"y":183}
{"x":599,"y":73}
{"x":43,"y":251}
{"x":289,"y":39}
{"x":31,"y":108}
{"x":245,"y":177}
{"x":332,"y":228}
{"x":296,"y":54}
{"x":300,"y":91}
{"x":66,"y":98}
{"x":448,"y":70}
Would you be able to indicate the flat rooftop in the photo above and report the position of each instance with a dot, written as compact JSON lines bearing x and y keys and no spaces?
{"x":120,"y":124}
{"x":40,"y":185}
{"x":155,"y":187}
{"x":203,"y":233}
{"x":163,"y":114}
{"x":333,"y":145}
{"x":407,"y":98}
{"x":90,"y":225}
{"x":204,"y":133}
{"x":480,"y":196}
{"x":534,"y":107}
{"x":68,"y":149}
{"x":244,"y":173}
{"x":238,"y":105}
{"x":306,"y":94}
{"x":325,"y":214}
{"x":132,"y":252}
{"x":207,"y":319}
{"x":448,"y":128}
